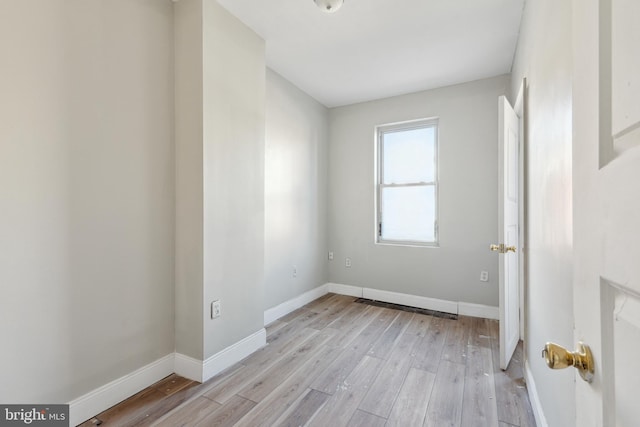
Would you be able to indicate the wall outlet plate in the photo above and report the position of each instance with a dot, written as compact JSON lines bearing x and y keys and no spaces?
{"x":484,"y":276}
{"x":216,"y":309}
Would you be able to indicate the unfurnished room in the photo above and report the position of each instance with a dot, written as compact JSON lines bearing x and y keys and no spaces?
{"x":319,"y":213}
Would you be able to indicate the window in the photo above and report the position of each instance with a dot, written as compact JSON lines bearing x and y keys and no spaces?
{"x":407,"y":184}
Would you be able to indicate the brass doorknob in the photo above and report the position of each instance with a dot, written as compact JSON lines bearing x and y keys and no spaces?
{"x":558,"y":357}
{"x":501,"y":248}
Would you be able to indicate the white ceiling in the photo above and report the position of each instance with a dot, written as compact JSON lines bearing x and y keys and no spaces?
{"x":372,"y":49}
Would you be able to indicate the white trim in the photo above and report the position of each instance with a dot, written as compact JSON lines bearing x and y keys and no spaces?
{"x":202,"y":371}
{"x":478,"y":310}
{"x":381,"y":130}
{"x":462,"y":308}
{"x":287,"y":307}
{"x":188,"y":367}
{"x":411,"y":300}
{"x":233,"y":354}
{"x":352,"y":291}
{"x":102,"y":398}
{"x":538,"y":413}
{"x":521,"y":110}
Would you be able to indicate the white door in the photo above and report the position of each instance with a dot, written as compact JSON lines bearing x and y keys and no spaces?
{"x":508,"y":247}
{"x":606,"y":169}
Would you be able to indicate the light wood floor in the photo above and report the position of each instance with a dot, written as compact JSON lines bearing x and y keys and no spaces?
{"x":336,"y":362}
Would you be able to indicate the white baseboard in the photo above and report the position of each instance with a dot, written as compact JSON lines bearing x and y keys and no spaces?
{"x":188,"y":367}
{"x":102,"y":398}
{"x":287,"y":307}
{"x":201,"y":371}
{"x":411,"y":300}
{"x":478,"y":310}
{"x":538,"y":413}
{"x":453,"y":307}
{"x":352,"y":291}
{"x":233,"y":354}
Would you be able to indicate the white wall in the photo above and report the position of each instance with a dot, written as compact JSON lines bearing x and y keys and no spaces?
{"x":468,"y":156}
{"x":297,"y":129}
{"x":544,"y":57}
{"x":86,"y":194}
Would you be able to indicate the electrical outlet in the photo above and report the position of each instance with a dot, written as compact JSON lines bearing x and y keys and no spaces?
{"x":295,"y":271}
{"x":330,"y":256}
{"x":484,"y":276}
{"x":216,"y":310}
{"x":347,"y":262}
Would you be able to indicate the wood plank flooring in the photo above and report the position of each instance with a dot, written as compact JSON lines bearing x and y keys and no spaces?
{"x":336,"y":362}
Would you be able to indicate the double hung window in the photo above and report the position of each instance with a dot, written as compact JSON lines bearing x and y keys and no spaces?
{"x":407,"y":183}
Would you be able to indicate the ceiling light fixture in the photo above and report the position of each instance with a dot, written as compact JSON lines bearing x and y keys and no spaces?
{"x":329,"y":6}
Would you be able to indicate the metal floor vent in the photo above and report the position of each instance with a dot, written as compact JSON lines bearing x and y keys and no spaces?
{"x":408,"y":308}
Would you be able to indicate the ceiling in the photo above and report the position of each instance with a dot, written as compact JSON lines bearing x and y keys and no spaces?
{"x":372,"y":49}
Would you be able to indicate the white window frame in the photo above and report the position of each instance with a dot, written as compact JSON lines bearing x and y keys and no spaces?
{"x":379,"y":223}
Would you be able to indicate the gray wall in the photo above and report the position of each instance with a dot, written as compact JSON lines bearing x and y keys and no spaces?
{"x":297,"y":129}
{"x":234,"y":110}
{"x":220,"y":109}
{"x":544,"y":57}
{"x":86,"y":194}
{"x":188,"y":40}
{"x":468,"y":195}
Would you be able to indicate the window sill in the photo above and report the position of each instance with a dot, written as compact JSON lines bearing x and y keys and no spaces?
{"x":434,"y":245}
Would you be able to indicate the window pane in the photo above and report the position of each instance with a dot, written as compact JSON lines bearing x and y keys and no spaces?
{"x":409,"y":213}
{"x":409,"y":156}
